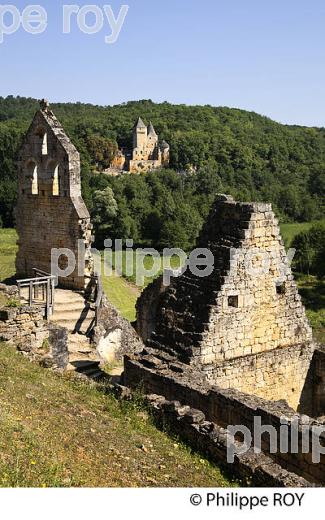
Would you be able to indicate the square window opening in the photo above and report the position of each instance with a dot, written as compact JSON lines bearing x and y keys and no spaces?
{"x":280,"y":288}
{"x":233,"y":301}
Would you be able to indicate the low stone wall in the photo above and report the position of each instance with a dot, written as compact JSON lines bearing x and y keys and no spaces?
{"x":190,"y":425}
{"x":26,"y":328}
{"x":275,"y":375}
{"x":226,"y":407}
{"x":23,"y":325}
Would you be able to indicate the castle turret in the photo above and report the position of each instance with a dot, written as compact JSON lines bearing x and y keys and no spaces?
{"x":140,"y":134}
{"x":151,"y":130}
{"x":165,"y":153}
{"x":152,"y":142}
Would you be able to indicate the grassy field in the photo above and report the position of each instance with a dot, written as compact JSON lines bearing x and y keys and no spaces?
{"x":289,"y":231}
{"x":8,"y":248}
{"x":55,"y":431}
{"x":122,"y":294}
{"x":313,"y":295}
{"x":145,"y":264}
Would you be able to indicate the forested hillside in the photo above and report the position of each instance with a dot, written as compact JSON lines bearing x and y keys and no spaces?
{"x":233,"y":151}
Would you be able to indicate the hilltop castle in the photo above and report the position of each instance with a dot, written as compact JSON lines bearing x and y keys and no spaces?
{"x":147,"y":153}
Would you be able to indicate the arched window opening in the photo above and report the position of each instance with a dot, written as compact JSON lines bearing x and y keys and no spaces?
{"x":56,"y":183}
{"x":42,"y":136}
{"x":35,"y":182}
{"x":32,"y":175}
{"x":44,"y":144}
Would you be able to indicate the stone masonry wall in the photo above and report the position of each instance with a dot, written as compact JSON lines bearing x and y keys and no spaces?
{"x":190,"y":425}
{"x":247,"y":305}
{"x":243,"y":325}
{"x":146,"y":308}
{"x":50,"y":212}
{"x":143,"y":166}
{"x":26,"y":328}
{"x":227,"y":407}
{"x":23,"y":325}
{"x":275,"y":375}
{"x":268,"y":313}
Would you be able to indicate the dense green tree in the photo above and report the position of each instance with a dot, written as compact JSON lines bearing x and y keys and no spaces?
{"x":104,"y":206}
{"x":310,"y":251}
{"x":101,"y":150}
{"x":182,"y":229}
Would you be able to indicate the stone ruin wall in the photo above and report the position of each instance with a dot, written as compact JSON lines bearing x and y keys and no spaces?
{"x":141,"y":165}
{"x":175,"y":381}
{"x":274,"y":375}
{"x":23,"y":326}
{"x":318,"y":369}
{"x":243,"y":328}
{"x":224,"y":349}
{"x":50,"y":212}
{"x":26,"y":329}
{"x":268,"y":313}
{"x":146,"y":308}
{"x":191,"y":425}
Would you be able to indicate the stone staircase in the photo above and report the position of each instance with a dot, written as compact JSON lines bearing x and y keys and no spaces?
{"x":72,"y":312}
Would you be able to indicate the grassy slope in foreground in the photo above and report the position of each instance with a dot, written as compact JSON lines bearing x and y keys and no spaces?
{"x":59,"y":432}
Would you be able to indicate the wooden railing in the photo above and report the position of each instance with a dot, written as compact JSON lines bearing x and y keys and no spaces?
{"x":40,"y":291}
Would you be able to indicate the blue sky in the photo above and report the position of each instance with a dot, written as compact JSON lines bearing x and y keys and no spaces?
{"x":261,"y":55}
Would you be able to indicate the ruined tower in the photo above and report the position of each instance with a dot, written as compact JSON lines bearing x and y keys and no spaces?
{"x":243,"y":325}
{"x":50,"y":211}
